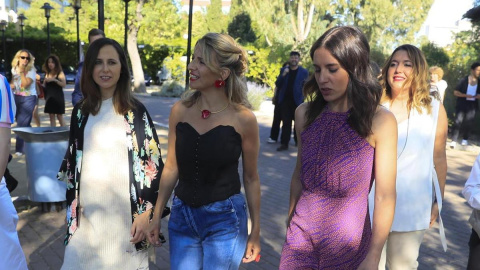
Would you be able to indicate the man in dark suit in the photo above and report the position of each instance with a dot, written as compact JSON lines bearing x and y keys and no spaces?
{"x":290,"y":84}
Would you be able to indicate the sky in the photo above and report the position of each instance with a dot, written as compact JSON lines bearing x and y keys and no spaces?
{"x":447,"y":12}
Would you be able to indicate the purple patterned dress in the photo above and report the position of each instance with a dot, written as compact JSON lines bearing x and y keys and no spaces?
{"x":330,"y":228}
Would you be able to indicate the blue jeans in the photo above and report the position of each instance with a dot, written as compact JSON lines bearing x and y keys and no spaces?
{"x":25,"y":106}
{"x":212,"y":236}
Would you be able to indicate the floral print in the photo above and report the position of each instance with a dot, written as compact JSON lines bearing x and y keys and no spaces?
{"x":145,"y":170}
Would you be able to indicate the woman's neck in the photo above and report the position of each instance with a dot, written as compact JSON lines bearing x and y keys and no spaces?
{"x":399,"y":94}
{"x":212,"y":101}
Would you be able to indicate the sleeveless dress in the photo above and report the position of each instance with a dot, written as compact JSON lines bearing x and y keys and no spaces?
{"x":330,"y":228}
{"x":54,"y":98}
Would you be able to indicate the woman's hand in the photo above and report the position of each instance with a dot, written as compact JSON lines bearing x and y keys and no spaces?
{"x":140,"y":227}
{"x":370,"y":263}
{"x":253,"y":248}
{"x":153,"y":230}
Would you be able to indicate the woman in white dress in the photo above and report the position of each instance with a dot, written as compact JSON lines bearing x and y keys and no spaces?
{"x":422,"y":134}
{"x":112,"y":167}
{"x":11,"y":257}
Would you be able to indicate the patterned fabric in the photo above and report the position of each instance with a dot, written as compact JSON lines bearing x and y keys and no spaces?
{"x":7,"y":103}
{"x":330,"y":228}
{"x":17,"y":82}
{"x":144,"y":156}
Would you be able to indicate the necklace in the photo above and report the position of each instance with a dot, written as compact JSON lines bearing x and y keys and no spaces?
{"x":207,"y":113}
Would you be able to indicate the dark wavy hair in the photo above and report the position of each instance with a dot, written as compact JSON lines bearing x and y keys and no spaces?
{"x":56,"y":61}
{"x":123,"y":99}
{"x":350,"y":47}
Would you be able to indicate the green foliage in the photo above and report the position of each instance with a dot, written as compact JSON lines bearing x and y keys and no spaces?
{"x":263,"y":68}
{"x":462,"y":53}
{"x":377,"y":56}
{"x":435,"y":55}
{"x":176,"y":66}
{"x":154,"y":33}
{"x":215,"y":19}
{"x":383,"y":22}
{"x":152,"y":58}
{"x":241,"y":28}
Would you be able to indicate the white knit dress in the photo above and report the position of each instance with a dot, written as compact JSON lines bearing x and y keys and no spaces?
{"x":102,"y":240}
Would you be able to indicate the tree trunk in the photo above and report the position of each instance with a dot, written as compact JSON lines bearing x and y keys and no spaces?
{"x":300,"y":22}
{"x":300,"y":28}
{"x":138,"y":76}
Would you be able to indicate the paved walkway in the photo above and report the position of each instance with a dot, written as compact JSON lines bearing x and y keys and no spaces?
{"x":41,"y":234}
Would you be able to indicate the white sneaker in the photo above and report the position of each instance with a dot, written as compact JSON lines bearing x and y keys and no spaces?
{"x":18,"y":154}
{"x":464,"y":142}
{"x":453,"y":144}
{"x":270,"y":140}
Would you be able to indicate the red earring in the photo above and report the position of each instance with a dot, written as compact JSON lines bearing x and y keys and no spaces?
{"x":219,"y":83}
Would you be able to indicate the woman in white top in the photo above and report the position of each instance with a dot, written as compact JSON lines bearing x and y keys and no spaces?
{"x":471,"y":192}
{"x":436,"y":75}
{"x":23,"y":86}
{"x":422,"y":133}
{"x":112,"y":168}
{"x":11,"y":253}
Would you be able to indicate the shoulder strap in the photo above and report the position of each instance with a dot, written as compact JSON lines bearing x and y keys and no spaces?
{"x":436,"y":184}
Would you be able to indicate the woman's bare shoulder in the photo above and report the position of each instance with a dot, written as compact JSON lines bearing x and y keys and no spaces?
{"x":383,"y":119}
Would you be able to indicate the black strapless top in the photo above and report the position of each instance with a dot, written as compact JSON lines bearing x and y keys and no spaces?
{"x":207,"y":164}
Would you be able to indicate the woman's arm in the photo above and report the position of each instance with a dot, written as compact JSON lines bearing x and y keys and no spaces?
{"x":62,"y":81}
{"x":295,"y":184}
{"x":384,"y":135}
{"x":471,"y":191}
{"x":440,"y":157}
{"x":26,"y":81}
{"x":4,"y":149}
{"x":169,"y":176}
{"x":251,"y":180}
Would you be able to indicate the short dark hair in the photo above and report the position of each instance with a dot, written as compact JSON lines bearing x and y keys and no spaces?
{"x":123,"y":99}
{"x":95,"y":32}
{"x":294,"y":53}
{"x":475,"y":65}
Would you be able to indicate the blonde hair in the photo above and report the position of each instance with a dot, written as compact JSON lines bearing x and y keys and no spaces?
{"x":16,"y":60}
{"x":221,"y":51}
{"x":419,"y":92}
{"x":438,"y":71}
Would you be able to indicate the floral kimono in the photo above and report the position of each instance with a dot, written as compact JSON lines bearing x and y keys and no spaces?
{"x":144,"y":157}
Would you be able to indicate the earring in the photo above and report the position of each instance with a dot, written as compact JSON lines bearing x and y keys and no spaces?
{"x":219,"y":83}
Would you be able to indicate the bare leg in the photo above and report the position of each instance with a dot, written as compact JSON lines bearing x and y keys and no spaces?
{"x":61,"y":120}
{"x":52,"y":119}
{"x":36,"y":117}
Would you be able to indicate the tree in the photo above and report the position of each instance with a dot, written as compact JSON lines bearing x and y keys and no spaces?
{"x":153,"y":32}
{"x":435,"y":55}
{"x":386,"y":23}
{"x":241,"y":28}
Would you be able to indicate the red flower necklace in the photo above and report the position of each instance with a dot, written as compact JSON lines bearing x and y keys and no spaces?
{"x":207,"y":113}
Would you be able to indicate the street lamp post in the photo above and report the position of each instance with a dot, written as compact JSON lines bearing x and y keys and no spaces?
{"x":77,"y":6}
{"x":101,"y":16}
{"x":189,"y":44}
{"x":47,"y":9}
{"x":3,"y":26}
{"x":126,"y":25}
{"x":22,"y":19}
